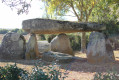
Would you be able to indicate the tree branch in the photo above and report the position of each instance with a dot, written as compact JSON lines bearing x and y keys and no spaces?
{"x":72,"y":6}
{"x":91,"y":9}
{"x":69,"y":15}
{"x":81,"y":16}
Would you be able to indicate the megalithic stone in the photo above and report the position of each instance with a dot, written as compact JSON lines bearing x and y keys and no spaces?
{"x":48,"y":26}
{"x":99,"y":49}
{"x":13,"y":46}
{"x":61,"y":43}
{"x":32,"y":48}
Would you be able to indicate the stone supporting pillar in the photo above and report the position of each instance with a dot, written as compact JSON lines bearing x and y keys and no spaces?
{"x":61,"y":43}
{"x":32,"y":48}
{"x":99,"y":49}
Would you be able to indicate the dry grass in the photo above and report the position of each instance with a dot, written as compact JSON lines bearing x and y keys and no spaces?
{"x":77,"y":70}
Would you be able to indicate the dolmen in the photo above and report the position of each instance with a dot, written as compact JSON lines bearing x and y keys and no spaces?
{"x":99,"y":49}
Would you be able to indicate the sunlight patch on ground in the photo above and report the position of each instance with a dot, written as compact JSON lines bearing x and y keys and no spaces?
{"x":79,"y":54}
{"x":116,"y":54}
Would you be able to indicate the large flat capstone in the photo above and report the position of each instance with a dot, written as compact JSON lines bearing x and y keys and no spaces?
{"x":48,"y":26}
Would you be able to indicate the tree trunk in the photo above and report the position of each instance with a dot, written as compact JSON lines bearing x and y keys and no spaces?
{"x":83,"y":38}
{"x":83,"y":42}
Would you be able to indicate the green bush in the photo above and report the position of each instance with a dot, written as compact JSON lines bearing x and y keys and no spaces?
{"x":50,"y":37}
{"x":40,"y":72}
{"x":50,"y":72}
{"x":3,"y":31}
{"x":106,"y":76}
{"x":75,"y":41}
{"x":42,"y":37}
{"x":47,"y":37}
{"x":12,"y":72}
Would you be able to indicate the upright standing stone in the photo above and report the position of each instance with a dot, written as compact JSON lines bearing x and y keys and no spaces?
{"x":32,"y":48}
{"x":13,"y":46}
{"x":61,"y":43}
{"x":99,"y":49}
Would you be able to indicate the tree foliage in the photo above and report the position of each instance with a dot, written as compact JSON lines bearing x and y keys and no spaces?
{"x":3,"y":31}
{"x":22,"y":6}
{"x":80,"y":8}
{"x":20,"y":31}
{"x":106,"y":10}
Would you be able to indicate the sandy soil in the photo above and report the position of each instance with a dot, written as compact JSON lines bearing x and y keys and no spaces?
{"x":79,"y":69}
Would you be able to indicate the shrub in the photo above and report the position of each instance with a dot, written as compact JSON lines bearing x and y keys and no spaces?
{"x":106,"y":76}
{"x":3,"y":31}
{"x":12,"y":72}
{"x":75,"y":41}
{"x":50,"y":37}
{"x":42,"y":37}
{"x":50,"y":72}
{"x":38,"y":74}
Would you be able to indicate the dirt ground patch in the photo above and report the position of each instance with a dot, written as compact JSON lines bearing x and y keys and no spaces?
{"x":79,"y":69}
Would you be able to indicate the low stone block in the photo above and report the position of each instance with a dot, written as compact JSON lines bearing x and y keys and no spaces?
{"x":57,"y":56}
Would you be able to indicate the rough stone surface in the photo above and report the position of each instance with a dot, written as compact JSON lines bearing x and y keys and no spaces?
{"x":61,"y":43}
{"x":13,"y":46}
{"x":48,"y":26}
{"x":44,"y":46}
{"x":114,"y":41}
{"x":57,"y":56}
{"x":99,"y":49}
{"x":32,"y":48}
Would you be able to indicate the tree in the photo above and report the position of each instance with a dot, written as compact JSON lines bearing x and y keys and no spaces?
{"x":22,"y":6}
{"x":81,"y":8}
{"x":106,"y":12}
{"x":3,"y":31}
{"x":15,"y":30}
